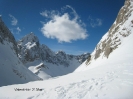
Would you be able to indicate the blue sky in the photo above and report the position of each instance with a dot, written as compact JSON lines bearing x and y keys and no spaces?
{"x":74,"y":26}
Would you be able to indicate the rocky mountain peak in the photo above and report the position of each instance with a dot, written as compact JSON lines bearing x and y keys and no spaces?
{"x":31,"y":38}
{"x":60,"y":52}
{"x":124,"y":13}
{"x":29,"y":48}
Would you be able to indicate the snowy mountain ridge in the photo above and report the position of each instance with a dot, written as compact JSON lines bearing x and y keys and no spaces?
{"x":29,"y":44}
{"x":35,"y":55}
{"x":16,"y":57}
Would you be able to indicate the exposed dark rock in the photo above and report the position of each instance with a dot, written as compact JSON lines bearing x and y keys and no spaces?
{"x":107,"y":51}
{"x":98,"y":52}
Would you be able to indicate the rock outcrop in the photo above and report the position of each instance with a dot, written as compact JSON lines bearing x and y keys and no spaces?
{"x":113,"y":38}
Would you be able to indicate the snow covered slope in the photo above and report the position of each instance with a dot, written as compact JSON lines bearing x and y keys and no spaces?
{"x":104,"y":77}
{"x":112,"y":79}
{"x":121,"y":29}
{"x":12,"y":71}
{"x":42,"y":61}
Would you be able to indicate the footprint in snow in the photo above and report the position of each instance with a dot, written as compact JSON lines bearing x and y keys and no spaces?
{"x":90,"y":88}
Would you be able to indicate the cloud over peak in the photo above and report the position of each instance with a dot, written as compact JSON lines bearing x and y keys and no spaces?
{"x":62,"y":27}
{"x":14,"y":20}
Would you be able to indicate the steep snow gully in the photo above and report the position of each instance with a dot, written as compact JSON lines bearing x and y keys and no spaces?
{"x":107,"y":74}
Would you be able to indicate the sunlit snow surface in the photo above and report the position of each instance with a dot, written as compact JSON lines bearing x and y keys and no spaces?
{"x":110,"y":78}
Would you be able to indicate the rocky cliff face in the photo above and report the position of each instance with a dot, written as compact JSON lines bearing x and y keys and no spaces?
{"x":120,"y":29}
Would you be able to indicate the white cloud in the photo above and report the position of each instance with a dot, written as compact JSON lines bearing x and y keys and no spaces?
{"x":45,"y":13}
{"x":14,"y":20}
{"x":61,"y":27}
{"x":95,"y":22}
{"x":18,"y":29}
{"x":49,"y":14}
{"x":73,"y":11}
{"x":15,"y":30}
